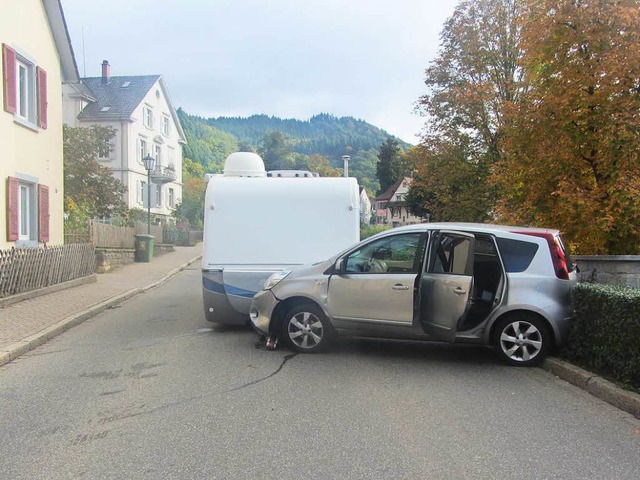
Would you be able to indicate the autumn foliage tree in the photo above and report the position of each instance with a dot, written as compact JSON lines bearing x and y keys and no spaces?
{"x":321,"y":165}
{"x":475,"y":75}
{"x":190,"y":210}
{"x":572,"y":151}
{"x":464,"y":195}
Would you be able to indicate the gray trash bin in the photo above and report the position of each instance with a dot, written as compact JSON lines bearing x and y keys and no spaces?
{"x":144,"y":247}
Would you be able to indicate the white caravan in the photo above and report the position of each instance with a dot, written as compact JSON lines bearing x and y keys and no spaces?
{"x":255,"y":225}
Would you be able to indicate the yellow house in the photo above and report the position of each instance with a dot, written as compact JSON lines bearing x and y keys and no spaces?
{"x":36,"y":58}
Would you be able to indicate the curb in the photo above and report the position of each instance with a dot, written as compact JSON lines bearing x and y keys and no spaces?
{"x":20,"y":348}
{"x":13,"y":299}
{"x":595,"y":385}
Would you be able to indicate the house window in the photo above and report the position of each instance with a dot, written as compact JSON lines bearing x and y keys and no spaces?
{"x":158,"y":155}
{"x":25,"y":214}
{"x":27,"y":210}
{"x":104,"y":151}
{"x":147,"y":117}
{"x":172,"y":198}
{"x":142,"y":149}
{"x":24,"y":89}
{"x":158,"y":195}
{"x":165,"y":125}
{"x":142,"y":192}
{"x":172,"y":156}
{"x":398,"y":198}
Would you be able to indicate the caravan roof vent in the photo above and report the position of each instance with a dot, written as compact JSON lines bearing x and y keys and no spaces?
{"x":244,"y":164}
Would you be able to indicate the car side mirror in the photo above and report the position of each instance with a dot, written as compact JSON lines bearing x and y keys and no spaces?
{"x":339,"y":266}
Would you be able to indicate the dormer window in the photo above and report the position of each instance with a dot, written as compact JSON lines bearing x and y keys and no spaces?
{"x":125,"y":84}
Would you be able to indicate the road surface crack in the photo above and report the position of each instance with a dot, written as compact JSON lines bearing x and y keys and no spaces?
{"x":254,"y":382}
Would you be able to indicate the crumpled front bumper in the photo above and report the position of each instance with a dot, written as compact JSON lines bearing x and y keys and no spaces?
{"x":262,"y":307}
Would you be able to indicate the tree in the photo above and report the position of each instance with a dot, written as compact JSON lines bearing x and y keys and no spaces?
{"x":470,"y":84}
{"x":390,"y":167}
{"x":573,"y":155}
{"x":206,"y":145}
{"x":363,"y":166}
{"x":89,"y":187}
{"x":463,"y":197}
{"x":320,"y":165}
{"x":191,"y":207}
{"x":276,"y":152}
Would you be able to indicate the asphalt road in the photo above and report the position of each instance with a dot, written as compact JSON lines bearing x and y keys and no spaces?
{"x":150,"y":390}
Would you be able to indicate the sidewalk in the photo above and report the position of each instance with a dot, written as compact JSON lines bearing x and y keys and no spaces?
{"x":29,"y":323}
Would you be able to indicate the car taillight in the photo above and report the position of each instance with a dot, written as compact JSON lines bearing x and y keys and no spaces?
{"x":559,"y":259}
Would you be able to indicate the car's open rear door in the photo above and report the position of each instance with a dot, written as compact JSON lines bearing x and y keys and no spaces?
{"x":446,"y":283}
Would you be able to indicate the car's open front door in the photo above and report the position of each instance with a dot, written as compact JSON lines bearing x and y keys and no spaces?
{"x":446,"y":283}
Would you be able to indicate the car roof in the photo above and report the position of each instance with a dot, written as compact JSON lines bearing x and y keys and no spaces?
{"x":471,"y":227}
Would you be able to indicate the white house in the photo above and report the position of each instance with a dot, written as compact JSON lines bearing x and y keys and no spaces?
{"x":36,"y":58}
{"x":391,"y":205}
{"x":365,"y":207}
{"x":139,"y":109}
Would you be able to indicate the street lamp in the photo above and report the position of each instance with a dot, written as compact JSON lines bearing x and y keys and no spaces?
{"x":149,"y":163}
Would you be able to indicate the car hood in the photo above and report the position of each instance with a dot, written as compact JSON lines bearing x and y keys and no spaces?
{"x":316,"y":268}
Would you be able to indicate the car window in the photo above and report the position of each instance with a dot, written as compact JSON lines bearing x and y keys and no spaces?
{"x":393,"y":254}
{"x":516,"y":254}
{"x":451,"y":255}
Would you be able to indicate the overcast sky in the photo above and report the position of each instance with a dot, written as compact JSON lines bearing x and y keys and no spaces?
{"x":288,"y":58}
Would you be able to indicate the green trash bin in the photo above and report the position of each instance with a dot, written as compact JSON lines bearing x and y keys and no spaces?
{"x":144,"y":247}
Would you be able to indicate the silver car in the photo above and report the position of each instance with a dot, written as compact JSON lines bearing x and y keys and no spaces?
{"x":504,"y":286}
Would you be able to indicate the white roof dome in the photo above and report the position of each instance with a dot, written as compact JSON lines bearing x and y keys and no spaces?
{"x":244,"y":164}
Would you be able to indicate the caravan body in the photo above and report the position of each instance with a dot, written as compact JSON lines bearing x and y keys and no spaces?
{"x":256,"y":225}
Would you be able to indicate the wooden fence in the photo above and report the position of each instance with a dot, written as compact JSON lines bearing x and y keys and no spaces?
{"x":103,"y":235}
{"x":25,"y":269}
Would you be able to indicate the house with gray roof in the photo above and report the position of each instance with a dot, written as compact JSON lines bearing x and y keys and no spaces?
{"x":139,"y":109}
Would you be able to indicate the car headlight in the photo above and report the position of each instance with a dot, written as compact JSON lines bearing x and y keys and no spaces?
{"x":275,"y":279}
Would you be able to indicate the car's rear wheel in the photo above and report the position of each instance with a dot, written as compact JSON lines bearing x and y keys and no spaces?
{"x":522,"y":339}
{"x":306,"y":328}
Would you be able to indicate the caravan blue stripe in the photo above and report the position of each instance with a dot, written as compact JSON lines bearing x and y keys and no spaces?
{"x":239,"y":292}
{"x":212,"y":286}
{"x":226,"y":289}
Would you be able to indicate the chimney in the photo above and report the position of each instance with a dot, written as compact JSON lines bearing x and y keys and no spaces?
{"x":345,"y":161}
{"x":106,"y":71}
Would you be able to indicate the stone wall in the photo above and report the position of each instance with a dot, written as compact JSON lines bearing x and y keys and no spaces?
{"x":621,"y":270}
{"x":109,"y":258}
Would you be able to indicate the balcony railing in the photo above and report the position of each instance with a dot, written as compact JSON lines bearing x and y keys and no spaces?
{"x":162,"y":174}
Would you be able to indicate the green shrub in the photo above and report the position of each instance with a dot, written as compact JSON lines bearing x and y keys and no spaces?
{"x":178,"y":235}
{"x":605,"y":332}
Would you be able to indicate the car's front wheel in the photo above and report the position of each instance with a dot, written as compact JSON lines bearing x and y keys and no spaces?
{"x":522,"y":339}
{"x":306,"y":328}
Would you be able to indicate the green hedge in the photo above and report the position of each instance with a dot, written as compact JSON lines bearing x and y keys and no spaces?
{"x":605,"y":332}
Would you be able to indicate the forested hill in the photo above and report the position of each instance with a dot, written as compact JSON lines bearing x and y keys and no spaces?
{"x":323,"y":134}
{"x":317,"y":144}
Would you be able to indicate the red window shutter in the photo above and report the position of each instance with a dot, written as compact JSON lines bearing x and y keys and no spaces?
{"x":9,"y":78}
{"x":13,"y":220}
{"x":42,"y":98}
{"x":43,"y":213}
